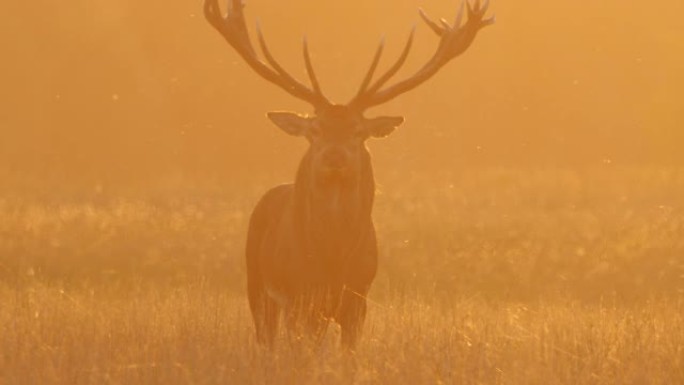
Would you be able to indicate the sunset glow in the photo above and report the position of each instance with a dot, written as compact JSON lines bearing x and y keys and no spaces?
{"x":527,"y":196}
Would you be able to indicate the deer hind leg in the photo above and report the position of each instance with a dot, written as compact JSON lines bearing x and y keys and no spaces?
{"x":351,"y":316}
{"x":265,"y":313}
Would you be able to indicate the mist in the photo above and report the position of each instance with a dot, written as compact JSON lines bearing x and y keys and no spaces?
{"x":121,"y":92}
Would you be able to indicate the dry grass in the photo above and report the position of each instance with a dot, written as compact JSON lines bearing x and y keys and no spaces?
{"x":196,"y":335}
{"x":488,"y":277}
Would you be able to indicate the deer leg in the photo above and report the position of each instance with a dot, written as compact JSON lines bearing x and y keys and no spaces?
{"x":351,"y":316}
{"x":265,"y":313}
{"x":305,"y":319}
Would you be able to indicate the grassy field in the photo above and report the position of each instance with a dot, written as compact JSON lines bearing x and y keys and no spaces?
{"x":489,"y":276}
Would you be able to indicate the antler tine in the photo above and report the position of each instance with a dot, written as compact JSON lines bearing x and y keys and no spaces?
{"x":397,"y":66}
{"x":310,"y":70}
{"x":210,"y":11}
{"x":371,"y":71}
{"x":234,"y":30}
{"x":459,"y":16}
{"x":269,"y":57}
{"x":436,"y":28}
{"x":454,"y":40}
{"x":483,"y":10}
{"x":361,"y":97}
{"x":478,"y":12}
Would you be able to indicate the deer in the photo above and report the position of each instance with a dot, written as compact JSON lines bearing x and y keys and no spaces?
{"x":311,"y":252}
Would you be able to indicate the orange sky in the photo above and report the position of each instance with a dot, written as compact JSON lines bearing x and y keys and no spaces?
{"x":129,"y":89}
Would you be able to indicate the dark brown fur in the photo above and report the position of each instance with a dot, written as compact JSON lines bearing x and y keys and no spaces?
{"x":311,"y":261}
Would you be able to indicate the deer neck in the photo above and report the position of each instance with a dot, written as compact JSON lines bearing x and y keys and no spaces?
{"x":330,"y":218}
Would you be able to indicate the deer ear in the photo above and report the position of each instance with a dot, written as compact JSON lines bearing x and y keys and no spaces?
{"x":293,"y":124}
{"x":383,"y":126}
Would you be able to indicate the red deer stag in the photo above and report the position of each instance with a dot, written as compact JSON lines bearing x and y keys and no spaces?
{"x":311,"y":247}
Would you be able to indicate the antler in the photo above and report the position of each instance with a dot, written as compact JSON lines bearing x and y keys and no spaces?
{"x":234,"y":29}
{"x":454,"y":41}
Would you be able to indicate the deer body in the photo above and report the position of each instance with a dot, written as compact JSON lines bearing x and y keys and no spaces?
{"x":311,"y":247}
{"x":313,"y":258}
{"x":312,"y":244}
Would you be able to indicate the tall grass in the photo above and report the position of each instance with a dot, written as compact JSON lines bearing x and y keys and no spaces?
{"x":197,"y":335}
{"x":487,"y":276}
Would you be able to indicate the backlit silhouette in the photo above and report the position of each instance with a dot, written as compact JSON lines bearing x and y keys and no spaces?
{"x":311,"y":247}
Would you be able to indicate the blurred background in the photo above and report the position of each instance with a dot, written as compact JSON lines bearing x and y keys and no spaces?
{"x":122,"y":92}
{"x":134,"y":142}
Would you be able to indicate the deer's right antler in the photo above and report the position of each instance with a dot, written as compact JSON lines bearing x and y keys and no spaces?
{"x":234,"y":29}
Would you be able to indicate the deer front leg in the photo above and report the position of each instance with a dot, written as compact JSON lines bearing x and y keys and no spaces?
{"x":351,"y":316}
{"x":306,"y":318}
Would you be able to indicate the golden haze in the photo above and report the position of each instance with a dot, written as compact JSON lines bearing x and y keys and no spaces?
{"x":127,"y":90}
{"x":529,"y":211}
